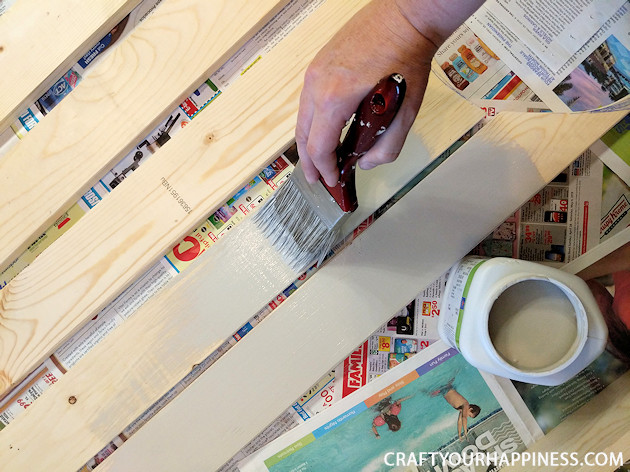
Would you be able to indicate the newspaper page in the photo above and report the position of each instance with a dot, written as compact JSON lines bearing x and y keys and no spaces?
{"x":573,"y":55}
{"x":556,"y":29}
{"x":469,"y":66}
{"x":583,"y":206}
{"x":5,"y":5}
{"x":434,"y":402}
{"x":411,"y":330}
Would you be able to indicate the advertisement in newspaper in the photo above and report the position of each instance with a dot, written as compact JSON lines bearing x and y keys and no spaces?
{"x":583,"y":206}
{"x":434,"y":402}
{"x":574,"y":56}
{"x":412,"y":329}
{"x":468,"y":65}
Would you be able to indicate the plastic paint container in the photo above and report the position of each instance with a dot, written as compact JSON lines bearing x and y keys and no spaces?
{"x":521,"y":320}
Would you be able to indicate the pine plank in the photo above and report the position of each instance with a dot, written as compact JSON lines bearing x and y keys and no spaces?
{"x":124,"y":97}
{"x":358,"y":291}
{"x":599,"y":426}
{"x":116,"y":242}
{"x":40,"y":41}
{"x":175,"y":330}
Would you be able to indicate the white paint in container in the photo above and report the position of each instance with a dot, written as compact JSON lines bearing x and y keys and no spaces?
{"x":521,"y":320}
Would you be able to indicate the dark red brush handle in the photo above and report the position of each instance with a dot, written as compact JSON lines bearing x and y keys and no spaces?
{"x":374,"y":115}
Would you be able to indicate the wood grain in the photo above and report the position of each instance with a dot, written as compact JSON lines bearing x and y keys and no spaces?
{"x":125,"y":96}
{"x":40,"y":41}
{"x":175,"y":330}
{"x":599,"y":426}
{"x":355,"y":293}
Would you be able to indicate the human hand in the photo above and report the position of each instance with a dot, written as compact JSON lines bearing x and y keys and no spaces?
{"x":621,"y":302}
{"x":616,"y":313}
{"x":385,"y":37}
{"x":376,"y":42}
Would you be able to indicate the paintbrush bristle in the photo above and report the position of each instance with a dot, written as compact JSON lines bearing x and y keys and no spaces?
{"x":295,"y":229}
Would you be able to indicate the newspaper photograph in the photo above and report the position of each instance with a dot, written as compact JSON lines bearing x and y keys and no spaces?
{"x":572,"y":56}
{"x":434,"y":402}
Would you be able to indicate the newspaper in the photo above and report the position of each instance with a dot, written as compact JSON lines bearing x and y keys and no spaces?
{"x":584,"y":205}
{"x":468,"y":65}
{"x":427,"y":400}
{"x":5,"y":5}
{"x":494,"y":85}
{"x":531,"y":410}
{"x":573,"y":55}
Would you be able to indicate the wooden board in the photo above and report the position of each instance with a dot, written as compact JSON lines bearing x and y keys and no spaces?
{"x":600,"y":426}
{"x":182,"y":331}
{"x":89,"y":262}
{"x":41,"y":40}
{"x":125,"y":96}
{"x":359,"y":290}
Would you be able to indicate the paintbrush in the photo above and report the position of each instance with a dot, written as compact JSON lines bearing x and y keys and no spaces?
{"x":303,"y":221}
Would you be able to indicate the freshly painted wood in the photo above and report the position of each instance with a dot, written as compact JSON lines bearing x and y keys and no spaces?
{"x":417,"y":240}
{"x":443,"y":116}
{"x":41,"y":40}
{"x":113,"y":244}
{"x":174,"y":331}
{"x":599,"y":426}
{"x":124,"y":97}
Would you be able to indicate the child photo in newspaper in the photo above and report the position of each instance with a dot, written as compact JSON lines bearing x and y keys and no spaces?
{"x":443,"y":405}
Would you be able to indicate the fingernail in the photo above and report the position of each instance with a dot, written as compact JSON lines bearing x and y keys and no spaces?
{"x":367,"y":165}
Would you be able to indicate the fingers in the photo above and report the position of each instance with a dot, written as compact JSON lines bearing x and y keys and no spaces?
{"x":390,"y":143}
{"x":302,"y":129}
{"x":321,"y":118}
{"x":376,"y":42}
{"x":322,"y":142}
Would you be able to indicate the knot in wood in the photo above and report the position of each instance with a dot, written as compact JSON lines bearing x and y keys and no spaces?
{"x":72,"y":400}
